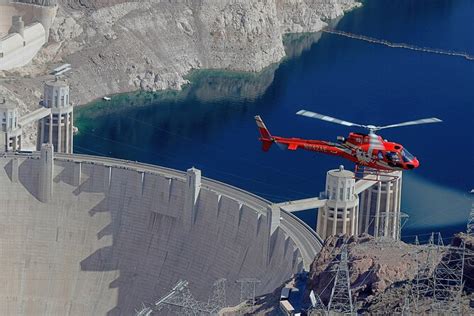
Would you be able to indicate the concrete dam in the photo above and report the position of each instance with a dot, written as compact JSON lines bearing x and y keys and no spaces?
{"x":84,"y":235}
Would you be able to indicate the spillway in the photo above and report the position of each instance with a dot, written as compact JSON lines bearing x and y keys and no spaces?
{"x":83,"y":235}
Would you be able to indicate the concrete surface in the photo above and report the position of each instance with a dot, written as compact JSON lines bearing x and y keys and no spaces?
{"x":116,"y":234}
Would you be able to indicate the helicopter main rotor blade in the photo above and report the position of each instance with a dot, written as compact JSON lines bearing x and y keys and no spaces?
{"x":327,"y":118}
{"x":417,"y":122}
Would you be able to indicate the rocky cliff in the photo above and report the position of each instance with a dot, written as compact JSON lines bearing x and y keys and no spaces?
{"x":124,"y":45}
{"x":382,"y":272}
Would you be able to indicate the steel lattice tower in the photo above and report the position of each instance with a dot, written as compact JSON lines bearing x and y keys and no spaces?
{"x":422,"y":285}
{"x":406,"y":307}
{"x":218,"y":298}
{"x":448,"y":281}
{"x":248,"y":289}
{"x":341,"y":297}
{"x":181,"y":299}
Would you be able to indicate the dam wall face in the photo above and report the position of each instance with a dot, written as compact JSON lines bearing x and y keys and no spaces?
{"x":115,"y":235}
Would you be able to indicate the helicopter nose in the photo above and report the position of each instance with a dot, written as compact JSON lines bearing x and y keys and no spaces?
{"x":413,"y":164}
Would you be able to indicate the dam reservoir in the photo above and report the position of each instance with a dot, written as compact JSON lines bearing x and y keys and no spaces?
{"x":210,"y":123}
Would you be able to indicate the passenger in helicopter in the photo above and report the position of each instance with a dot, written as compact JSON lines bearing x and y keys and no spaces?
{"x":393,"y":157}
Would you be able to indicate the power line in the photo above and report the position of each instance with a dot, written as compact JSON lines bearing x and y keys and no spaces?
{"x":176,"y":158}
{"x":221,"y":149}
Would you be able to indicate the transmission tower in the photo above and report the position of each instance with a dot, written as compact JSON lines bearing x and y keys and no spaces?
{"x":440,"y":241}
{"x":422,"y":284}
{"x":218,"y":299}
{"x":317,"y":305}
{"x":470,"y":223}
{"x":341,"y":297}
{"x":247,"y":289}
{"x":417,"y":241}
{"x":181,"y":299}
{"x":448,"y":281}
{"x":406,"y":307}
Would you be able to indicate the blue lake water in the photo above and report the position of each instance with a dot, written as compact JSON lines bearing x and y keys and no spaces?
{"x":210,"y":123}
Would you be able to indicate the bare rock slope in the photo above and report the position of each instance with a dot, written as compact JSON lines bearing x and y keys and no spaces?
{"x":381,"y":272}
{"x":124,"y":45}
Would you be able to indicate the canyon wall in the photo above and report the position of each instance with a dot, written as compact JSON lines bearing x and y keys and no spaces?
{"x":119,"y":46}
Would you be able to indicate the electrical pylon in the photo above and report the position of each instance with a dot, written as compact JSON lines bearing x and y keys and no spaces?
{"x":341,"y":297}
{"x":422,"y":285}
{"x":218,"y":298}
{"x":181,"y":299}
{"x":248,"y":289}
{"x":448,"y":281}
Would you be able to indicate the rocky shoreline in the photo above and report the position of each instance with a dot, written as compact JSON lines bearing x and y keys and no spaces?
{"x":119,"y":46}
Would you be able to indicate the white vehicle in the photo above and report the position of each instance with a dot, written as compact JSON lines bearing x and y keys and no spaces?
{"x":286,"y":308}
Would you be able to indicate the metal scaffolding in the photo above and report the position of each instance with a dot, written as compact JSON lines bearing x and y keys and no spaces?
{"x":341,"y":297}
{"x":248,"y":288}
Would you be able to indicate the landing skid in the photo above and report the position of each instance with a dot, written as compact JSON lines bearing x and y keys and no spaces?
{"x":365,"y":173}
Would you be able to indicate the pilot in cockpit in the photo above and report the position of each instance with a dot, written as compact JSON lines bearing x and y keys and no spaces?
{"x":393,"y":157}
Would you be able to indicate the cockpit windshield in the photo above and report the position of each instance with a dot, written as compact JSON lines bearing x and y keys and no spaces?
{"x":406,"y":156}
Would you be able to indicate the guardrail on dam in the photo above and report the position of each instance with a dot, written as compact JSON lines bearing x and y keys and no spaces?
{"x":112,"y":234}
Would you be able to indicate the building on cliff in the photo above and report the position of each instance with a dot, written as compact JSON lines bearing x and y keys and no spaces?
{"x":24,"y":29}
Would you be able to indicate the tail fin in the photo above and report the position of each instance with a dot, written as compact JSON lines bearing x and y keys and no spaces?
{"x":265,"y":136}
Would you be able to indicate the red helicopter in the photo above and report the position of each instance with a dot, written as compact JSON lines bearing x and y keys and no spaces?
{"x":365,"y":150}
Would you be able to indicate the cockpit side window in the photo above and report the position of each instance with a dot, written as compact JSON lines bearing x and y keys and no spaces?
{"x":406,"y":156}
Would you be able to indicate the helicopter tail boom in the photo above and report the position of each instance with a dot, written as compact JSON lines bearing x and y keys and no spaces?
{"x":265,"y":136}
